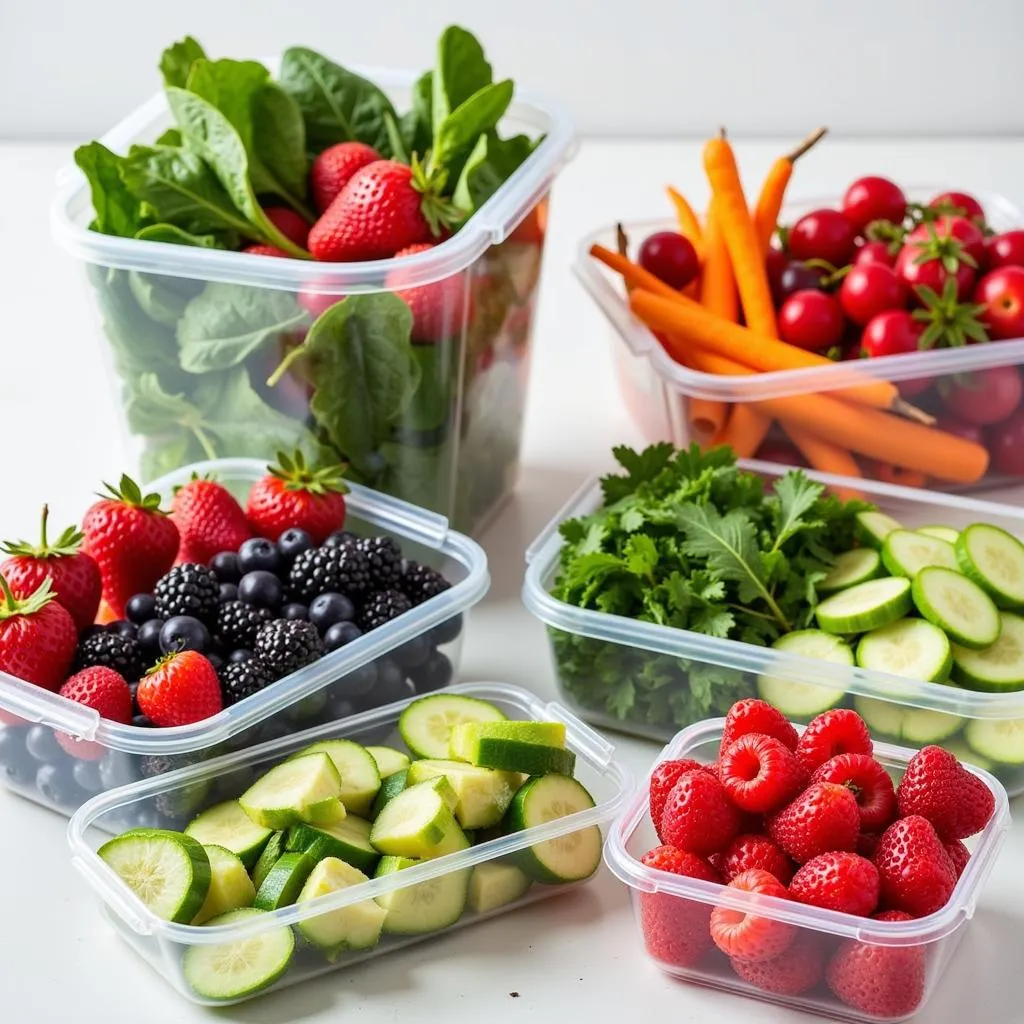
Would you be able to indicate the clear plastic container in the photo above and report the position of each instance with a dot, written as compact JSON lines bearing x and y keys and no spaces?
{"x":650,"y":680}
{"x":163,"y":944}
{"x":34,"y":764}
{"x":657,"y":390}
{"x":443,"y":422}
{"x":901,"y":948}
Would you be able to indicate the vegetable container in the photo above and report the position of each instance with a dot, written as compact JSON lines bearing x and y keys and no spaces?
{"x":32,"y":760}
{"x":922,"y":949}
{"x":164,"y":944}
{"x":200,"y":342}
{"x":660,"y":392}
{"x":650,"y":680}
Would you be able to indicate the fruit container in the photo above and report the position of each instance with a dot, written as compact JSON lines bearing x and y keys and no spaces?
{"x":650,"y":680}
{"x":981,"y":381}
{"x":443,"y":423}
{"x":34,"y":765}
{"x":918,"y":953}
{"x":163,"y":944}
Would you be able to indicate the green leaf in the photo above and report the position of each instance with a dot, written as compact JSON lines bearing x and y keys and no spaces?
{"x":431,"y":405}
{"x":490,"y":164}
{"x":416,"y":474}
{"x":480,"y":113}
{"x":280,"y":142}
{"x":396,"y":144}
{"x":176,"y":61}
{"x":794,"y":497}
{"x":641,"y":556}
{"x":170,"y":137}
{"x":118,"y":211}
{"x":173,"y":235}
{"x":460,"y":71}
{"x":417,"y":124}
{"x":640,"y":467}
{"x":162,"y":299}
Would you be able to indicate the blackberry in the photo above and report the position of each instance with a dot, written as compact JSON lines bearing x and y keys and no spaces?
{"x":241,"y":679}
{"x":187,"y":589}
{"x":121,"y":653}
{"x":286,"y":645}
{"x":382,"y":607}
{"x":237,"y":624}
{"x":420,"y":583}
{"x":343,"y":570}
{"x":385,"y":561}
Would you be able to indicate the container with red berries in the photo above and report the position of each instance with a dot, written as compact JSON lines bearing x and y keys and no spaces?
{"x":805,"y":908}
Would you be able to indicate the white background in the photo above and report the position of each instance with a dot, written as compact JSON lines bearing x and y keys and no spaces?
{"x":639,"y":67}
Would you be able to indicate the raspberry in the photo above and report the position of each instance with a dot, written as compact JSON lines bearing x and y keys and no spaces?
{"x":760,"y":773}
{"x":754,"y":851}
{"x":870,"y":784}
{"x":837,"y":881}
{"x":915,"y":870}
{"x":753,"y":715}
{"x":796,"y":970}
{"x":663,"y":778}
{"x":835,"y":732}
{"x":824,"y":817}
{"x":939,"y":788}
{"x":958,"y":854}
{"x":750,"y":937}
{"x":698,"y":816}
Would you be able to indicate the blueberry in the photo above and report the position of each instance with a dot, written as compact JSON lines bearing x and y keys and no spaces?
{"x":42,"y":744}
{"x":329,"y":609}
{"x":391,"y":685}
{"x":235,"y":657}
{"x":413,"y":652}
{"x":258,"y":553}
{"x":118,"y":769}
{"x":140,"y":608}
{"x":339,"y":539}
{"x":215,"y":660}
{"x":261,"y":588}
{"x":296,"y":611}
{"x":340,"y":634}
{"x":16,"y":766}
{"x":356,"y":683}
{"x":87,"y":775}
{"x":434,"y":674}
{"x":141,"y":722}
{"x":124,"y":628}
{"x":58,"y":787}
{"x":148,"y":637}
{"x":293,"y":542}
{"x":227,"y":592}
{"x":225,"y":567}
{"x":184,"y":633}
{"x":447,"y":631}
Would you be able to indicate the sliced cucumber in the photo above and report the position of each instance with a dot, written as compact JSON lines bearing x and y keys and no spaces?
{"x":805,"y":700}
{"x":229,"y":826}
{"x":907,"y":552}
{"x":994,"y":559}
{"x":418,"y":823}
{"x":230,"y":885}
{"x":996,"y":669}
{"x":873,"y":527}
{"x":531,"y":748}
{"x":425,"y":907}
{"x":865,"y":606}
{"x":946,"y":533}
{"x":957,"y":605}
{"x":271,"y":854}
{"x":483,"y":793}
{"x":168,"y":871}
{"x":494,"y":884}
{"x":325,"y":812}
{"x":911,"y":648}
{"x":851,"y":568}
{"x":1000,"y":740}
{"x":388,"y":760}
{"x":569,"y":858}
{"x":228,"y":971}
{"x":294,"y":791}
{"x":356,"y":926}
{"x":913,"y":726}
{"x":426,"y":724}
{"x":389,"y":789}
{"x":360,"y":778}
{"x":284,"y":882}
{"x":349,"y":841}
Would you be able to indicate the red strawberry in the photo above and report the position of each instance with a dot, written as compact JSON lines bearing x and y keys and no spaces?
{"x":796,"y":970}
{"x":314,"y":302}
{"x":440,"y":309}
{"x":37,"y":636}
{"x":133,"y":542}
{"x":266,"y":250}
{"x":938,"y":787}
{"x":663,"y":778}
{"x":753,"y":851}
{"x":75,"y":577}
{"x":181,"y":689}
{"x":753,"y":715}
{"x":106,"y":692}
{"x":824,"y":817}
{"x":915,"y":870}
{"x":293,"y":226}
{"x":837,"y":881}
{"x":760,"y":773}
{"x":840,"y":731}
{"x":293,"y":494}
{"x":870,"y":784}
{"x":698,"y":816}
{"x":209,"y":520}
{"x":880,"y":981}
{"x":959,"y":855}
{"x":333,"y":168}
{"x":747,"y":936}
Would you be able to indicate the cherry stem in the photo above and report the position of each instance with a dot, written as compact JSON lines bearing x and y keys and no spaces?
{"x":808,"y":143}
{"x":911,"y":412}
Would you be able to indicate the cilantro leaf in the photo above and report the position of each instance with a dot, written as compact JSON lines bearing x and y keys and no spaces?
{"x":794,"y":497}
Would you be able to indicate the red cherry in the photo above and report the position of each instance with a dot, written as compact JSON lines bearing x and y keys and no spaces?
{"x":1002,"y":293}
{"x":1005,"y":250}
{"x":987,"y":396}
{"x":869,"y":289}
{"x":960,"y":201}
{"x":670,"y":258}
{"x":874,"y":198}
{"x":824,"y":235}
{"x":891,"y":333}
{"x":811,"y":320}
{"x":874,"y":252}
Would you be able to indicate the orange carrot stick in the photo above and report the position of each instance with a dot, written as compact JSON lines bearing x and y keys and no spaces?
{"x":717,"y":284}
{"x":826,"y":458}
{"x":744,"y":432}
{"x":689,"y":226}
{"x":633,"y":275}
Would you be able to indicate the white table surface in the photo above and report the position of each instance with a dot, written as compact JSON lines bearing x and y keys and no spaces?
{"x":578,"y":954}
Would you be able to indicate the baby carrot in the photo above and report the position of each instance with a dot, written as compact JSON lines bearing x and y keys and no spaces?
{"x":769,"y":202}
{"x":744,"y":431}
{"x":717,"y":284}
{"x":825,"y":458}
{"x":633,"y":275}
{"x":689,"y":226}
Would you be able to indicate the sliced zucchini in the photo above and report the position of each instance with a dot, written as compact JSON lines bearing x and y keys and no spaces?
{"x":229,"y":826}
{"x":284,"y":882}
{"x":946,"y":533}
{"x":483,"y":794}
{"x":999,"y":740}
{"x":872,"y":528}
{"x":360,"y":778}
{"x":425,"y":907}
{"x":418,"y":823}
{"x":357,"y":926}
{"x":296,"y":790}
{"x":388,"y":760}
{"x":851,"y":568}
{"x":426,"y":724}
{"x":802,"y":700}
{"x":911,"y":648}
{"x":865,"y":606}
{"x":496,"y":883}
{"x":912,"y":726}
{"x":531,"y":748}
{"x":994,"y":559}
{"x":349,"y":841}
{"x":272,"y":852}
{"x":958,"y":606}
{"x":996,"y":669}
{"x":230,"y":885}
{"x":907,"y":552}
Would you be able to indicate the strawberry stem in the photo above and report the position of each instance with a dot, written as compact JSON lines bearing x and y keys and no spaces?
{"x":30,"y":605}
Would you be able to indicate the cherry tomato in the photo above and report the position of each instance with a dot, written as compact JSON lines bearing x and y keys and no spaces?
{"x":965,"y":231}
{"x":986,"y":396}
{"x":874,"y":198}
{"x":797,"y":277}
{"x":869,"y":289}
{"x":1005,"y":250}
{"x":823,"y":235}
{"x":961,"y":201}
{"x":1002,"y":293}
{"x":930,"y":272}
{"x":891,"y":333}
{"x":951,"y":424}
{"x":811,"y":320}
{"x":1006,"y":444}
{"x":670,"y":258}
{"x":874,"y":252}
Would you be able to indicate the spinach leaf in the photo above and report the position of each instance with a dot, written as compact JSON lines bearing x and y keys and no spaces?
{"x":280,"y":141}
{"x":478,"y":114}
{"x":118,"y":212}
{"x":396,"y":144}
{"x":491,"y":163}
{"x":418,"y":475}
{"x":431,"y":406}
{"x":157,"y":297}
{"x":226,"y":323}
{"x":461,"y":70}
{"x":176,"y":61}
{"x":163,"y":456}
{"x":170,"y":137}
{"x":417,"y":124}
{"x":152,"y":410}
{"x":172,"y":234}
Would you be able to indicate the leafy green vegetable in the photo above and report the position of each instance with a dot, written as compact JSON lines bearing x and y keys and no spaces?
{"x":461,"y":71}
{"x":491,"y":163}
{"x":173,"y":235}
{"x":417,"y":125}
{"x":161,"y":298}
{"x":117,"y":210}
{"x":170,"y":137}
{"x":176,"y":61}
{"x":468,"y":121}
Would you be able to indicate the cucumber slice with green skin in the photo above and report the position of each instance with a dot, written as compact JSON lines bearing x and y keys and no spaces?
{"x":168,"y":871}
{"x":946,"y":533}
{"x":418,"y":823}
{"x":231,"y":971}
{"x":389,"y":761}
{"x":325,"y":812}
{"x":271,"y":854}
{"x":357,"y":926}
{"x":426,"y":724}
{"x":360,"y":778}
{"x":494,"y":884}
{"x":907,"y":552}
{"x":803,"y":701}
{"x":284,"y":882}
{"x":290,"y":791}
{"x":530,"y":748}
{"x":570,"y":858}
{"x":1001,"y":741}
{"x":871,"y":528}
{"x":425,"y":907}
{"x":349,"y":841}
{"x":483,"y":793}
{"x":994,"y":559}
{"x":851,"y":568}
{"x":911,"y":726}
{"x":227,"y":825}
{"x":995,"y":669}
{"x":389,"y":789}
{"x":231,"y":888}
{"x":911,"y":648}
{"x":866,"y":606}
{"x":958,"y":606}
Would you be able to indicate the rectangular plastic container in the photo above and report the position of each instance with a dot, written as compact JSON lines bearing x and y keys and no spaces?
{"x":446,"y":437}
{"x":659,"y":898}
{"x":163,"y":944}
{"x":332,"y":688}
{"x":650,"y":680}
{"x":657,"y":390}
